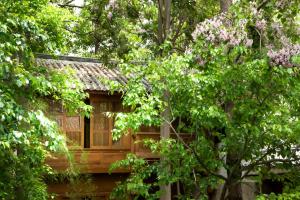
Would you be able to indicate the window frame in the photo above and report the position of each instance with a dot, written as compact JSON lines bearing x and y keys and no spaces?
{"x":56,"y":111}
{"x":126,"y":139}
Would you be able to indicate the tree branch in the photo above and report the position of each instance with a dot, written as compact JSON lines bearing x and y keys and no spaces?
{"x":278,"y":160}
{"x":176,"y":35}
{"x":195,"y":153}
{"x":69,"y":5}
{"x":262,"y":4}
{"x":250,"y":167}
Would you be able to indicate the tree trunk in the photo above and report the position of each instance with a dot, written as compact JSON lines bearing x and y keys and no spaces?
{"x":227,"y":188}
{"x":20,"y":193}
{"x":234,"y":187}
{"x":160,"y":20}
{"x":165,"y":134}
{"x":96,"y":40}
{"x":234,"y":171}
{"x":235,"y":192}
{"x":164,"y":20}
{"x":164,"y":16}
{"x":224,"y":5}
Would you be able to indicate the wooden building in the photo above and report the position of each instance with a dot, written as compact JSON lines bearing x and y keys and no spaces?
{"x":89,"y":139}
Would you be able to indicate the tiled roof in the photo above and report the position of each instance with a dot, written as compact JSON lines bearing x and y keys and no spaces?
{"x":89,"y":71}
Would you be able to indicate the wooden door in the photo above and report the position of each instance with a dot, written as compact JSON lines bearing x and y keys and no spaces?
{"x":102,"y":123}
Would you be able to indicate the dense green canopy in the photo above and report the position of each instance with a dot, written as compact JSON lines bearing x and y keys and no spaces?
{"x":229,"y":78}
{"x":234,"y":86}
{"x":26,"y":134}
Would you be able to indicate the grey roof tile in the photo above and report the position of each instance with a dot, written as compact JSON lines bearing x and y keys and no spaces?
{"x":88,"y":71}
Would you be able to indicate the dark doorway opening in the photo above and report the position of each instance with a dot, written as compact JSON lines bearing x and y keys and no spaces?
{"x":87,"y":128}
{"x":272,"y":186}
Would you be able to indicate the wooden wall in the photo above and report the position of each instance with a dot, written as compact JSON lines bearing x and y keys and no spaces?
{"x":102,"y":151}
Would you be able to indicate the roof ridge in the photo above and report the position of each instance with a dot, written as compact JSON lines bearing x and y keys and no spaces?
{"x":68,"y":58}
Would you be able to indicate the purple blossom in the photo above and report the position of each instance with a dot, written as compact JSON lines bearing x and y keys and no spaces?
{"x":253,"y":8}
{"x":215,"y":23}
{"x":218,"y":30}
{"x":276,"y":26}
{"x":211,"y":37}
{"x":243,"y":22}
{"x":188,"y":50}
{"x":284,"y":40}
{"x":109,"y":15}
{"x":141,"y":30}
{"x":248,"y":42}
{"x":283,"y":56}
{"x":282,"y":3}
{"x":234,"y":41}
{"x":224,"y":35}
{"x":200,"y":30}
{"x":200,"y":61}
{"x":261,"y":24}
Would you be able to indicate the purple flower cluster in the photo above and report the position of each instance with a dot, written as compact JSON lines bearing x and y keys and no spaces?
{"x":283,"y":56}
{"x":233,"y":32}
{"x":257,"y":17}
{"x":219,"y":30}
{"x":261,"y":24}
{"x":277,"y":27}
{"x":112,"y":4}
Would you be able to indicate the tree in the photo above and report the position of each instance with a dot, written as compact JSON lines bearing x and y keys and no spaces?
{"x":237,"y":85}
{"x":117,"y":27}
{"x":110,"y":29}
{"x":27,"y":136}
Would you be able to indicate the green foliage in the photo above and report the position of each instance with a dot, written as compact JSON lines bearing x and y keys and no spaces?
{"x":27,"y":136}
{"x":111,"y":29}
{"x":135,"y":185}
{"x":57,"y":23}
{"x":284,"y":196}
{"x":238,"y":100}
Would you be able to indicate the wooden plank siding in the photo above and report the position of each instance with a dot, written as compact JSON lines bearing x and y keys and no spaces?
{"x":70,"y":125}
{"x":89,"y":160}
{"x":103,"y":151}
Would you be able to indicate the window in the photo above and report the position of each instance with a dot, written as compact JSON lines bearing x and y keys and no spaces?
{"x":71,"y":125}
{"x":95,"y":132}
{"x":102,"y":125}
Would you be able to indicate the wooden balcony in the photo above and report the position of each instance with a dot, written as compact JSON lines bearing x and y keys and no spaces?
{"x":98,"y":160}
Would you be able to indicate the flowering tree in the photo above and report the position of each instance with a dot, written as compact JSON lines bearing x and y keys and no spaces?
{"x":235,"y":90}
{"x":27,"y":136}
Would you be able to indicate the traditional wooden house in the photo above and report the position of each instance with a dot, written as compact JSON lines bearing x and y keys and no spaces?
{"x":90,"y":140}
